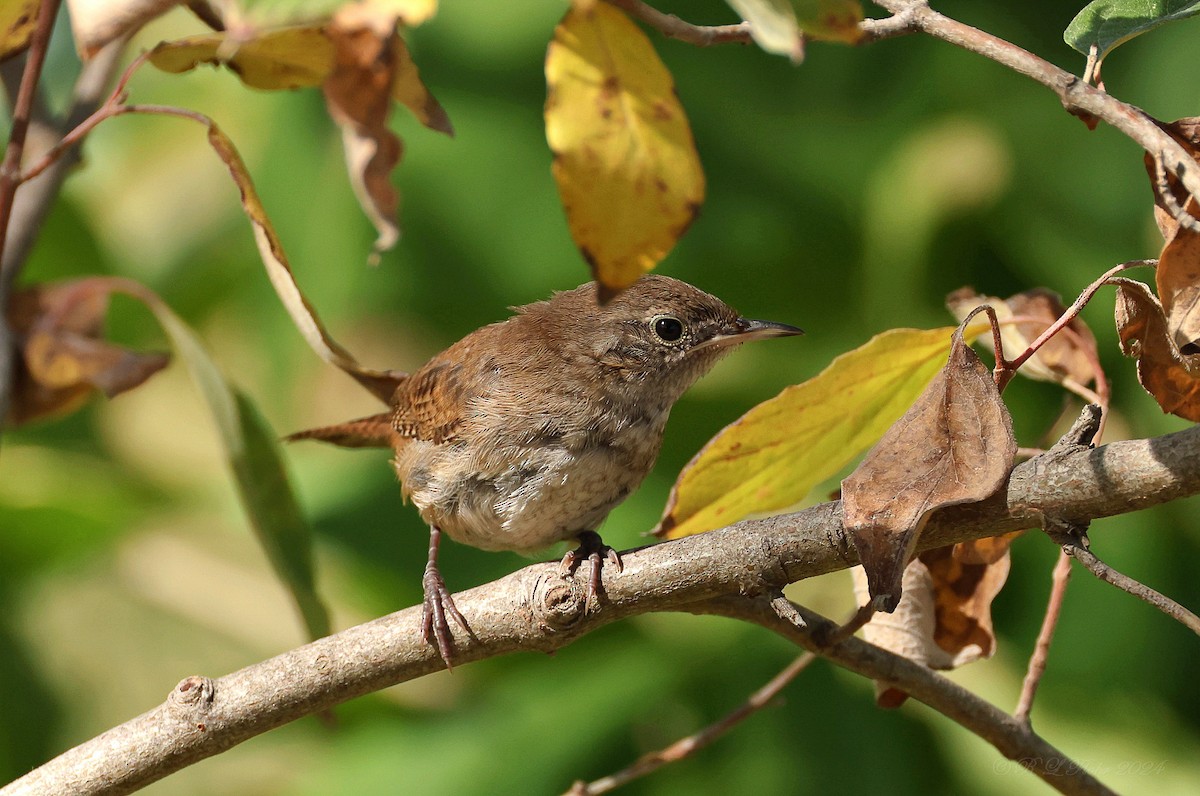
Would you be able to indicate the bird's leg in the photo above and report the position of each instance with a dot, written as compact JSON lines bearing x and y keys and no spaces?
{"x":591,"y":547}
{"x":438,"y":602}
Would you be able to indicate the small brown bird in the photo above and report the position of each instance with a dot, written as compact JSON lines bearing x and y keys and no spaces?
{"x":530,"y":431}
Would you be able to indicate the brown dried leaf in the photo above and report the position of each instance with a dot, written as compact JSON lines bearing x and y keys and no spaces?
{"x":1173,"y":378}
{"x":966,"y":578}
{"x":64,"y":359}
{"x":954,"y":445}
{"x":358,"y":95}
{"x":371,"y":67}
{"x":1187,"y":133}
{"x":944,"y":619}
{"x":1178,"y":281}
{"x":1178,"y":273}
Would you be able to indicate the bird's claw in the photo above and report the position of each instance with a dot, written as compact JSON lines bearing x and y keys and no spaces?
{"x":592,"y":548}
{"x":436,"y":611}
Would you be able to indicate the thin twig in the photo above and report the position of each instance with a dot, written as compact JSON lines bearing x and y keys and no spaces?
{"x":37,"y":196}
{"x":1068,"y":316}
{"x":109,"y":108}
{"x":684,"y":747}
{"x":1106,"y":573}
{"x":673,"y":27}
{"x":855,"y":623}
{"x":1041,"y":649}
{"x":1076,"y":95}
{"x":1177,"y":210}
{"x":1015,"y":740}
{"x":10,"y":169}
{"x":22,"y":109}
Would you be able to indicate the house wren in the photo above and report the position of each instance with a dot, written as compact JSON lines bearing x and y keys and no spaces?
{"x":529,"y":431}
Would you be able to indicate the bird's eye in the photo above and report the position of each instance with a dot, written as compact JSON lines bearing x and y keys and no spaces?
{"x":668,"y":328}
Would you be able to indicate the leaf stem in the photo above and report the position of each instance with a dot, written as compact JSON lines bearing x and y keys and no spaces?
{"x":1064,"y":319}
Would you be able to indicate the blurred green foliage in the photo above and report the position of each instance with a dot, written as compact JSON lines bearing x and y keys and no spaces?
{"x":847,"y":195}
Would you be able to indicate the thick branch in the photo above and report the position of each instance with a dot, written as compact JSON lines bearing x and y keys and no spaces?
{"x":537,"y":609}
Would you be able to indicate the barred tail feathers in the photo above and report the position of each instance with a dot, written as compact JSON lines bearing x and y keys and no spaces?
{"x":375,"y":431}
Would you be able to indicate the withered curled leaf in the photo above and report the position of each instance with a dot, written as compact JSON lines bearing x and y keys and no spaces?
{"x":944,"y":619}
{"x":64,"y":357}
{"x":1178,"y":274}
{"x":1171,"y":376}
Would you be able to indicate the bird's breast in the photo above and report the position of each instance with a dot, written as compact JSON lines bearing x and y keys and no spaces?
{"x":525,"y":492}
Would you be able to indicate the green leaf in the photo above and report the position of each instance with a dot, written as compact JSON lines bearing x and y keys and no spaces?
{"x":1109,"y":23}
{"x":774,"y":455}
{"x":282,"y":530}
{"x":253,"y":453}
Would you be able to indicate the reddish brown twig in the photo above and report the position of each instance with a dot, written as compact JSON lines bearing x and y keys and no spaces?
{"x":1041,"y":649}
{"x":679,"y":750}
{"x":10,"y":169}
{"x":113,"y":106}
{"x":1011,"y":367}
{"x":1002,"y":364}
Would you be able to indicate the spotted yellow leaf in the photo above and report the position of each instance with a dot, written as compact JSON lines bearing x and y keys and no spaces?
{"x":17,"y":20}
{"x":774,"y":455}
{"x":624,"y":158}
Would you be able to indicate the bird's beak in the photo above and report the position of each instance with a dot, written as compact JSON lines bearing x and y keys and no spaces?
{"x":746,"y":329}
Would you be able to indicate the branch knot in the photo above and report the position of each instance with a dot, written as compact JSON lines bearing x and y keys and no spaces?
{"x":190,"y":701}
{"x":558,"y":603}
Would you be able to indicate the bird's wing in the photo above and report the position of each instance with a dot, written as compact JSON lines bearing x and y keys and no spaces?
{"x":429,"y":404}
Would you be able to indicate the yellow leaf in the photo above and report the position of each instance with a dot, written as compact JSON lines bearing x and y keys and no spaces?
{"x":17,"y":20}
{"x":774,"y":455}
{"x":291,"y":57}
{"x":624,"y":159}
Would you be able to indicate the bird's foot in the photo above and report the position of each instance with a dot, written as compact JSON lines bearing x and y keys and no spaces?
{"x":594,"y":550}
{"x":437,"y":611}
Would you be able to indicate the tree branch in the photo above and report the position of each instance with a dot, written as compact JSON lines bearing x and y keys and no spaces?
{"x":1077,"y":548}
{"x":1013,"y":738}
{"x":1041,"y":649}
{"x":1077,"y":95}
{"x":673,"y":27}
{"x":537,"y":609}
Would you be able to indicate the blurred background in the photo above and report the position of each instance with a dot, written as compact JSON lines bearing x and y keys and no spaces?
{"x":847,"y":195}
